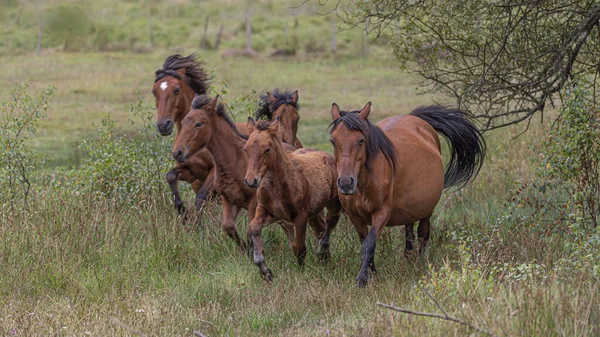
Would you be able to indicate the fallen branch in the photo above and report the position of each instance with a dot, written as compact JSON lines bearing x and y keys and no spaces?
{"x":198,"y":334}
{"x":427,"y":314}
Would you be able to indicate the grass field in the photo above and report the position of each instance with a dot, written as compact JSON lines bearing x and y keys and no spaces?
{"x":75,"y":264}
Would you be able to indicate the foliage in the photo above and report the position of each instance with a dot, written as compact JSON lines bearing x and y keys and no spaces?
{"x":126,"y":169}
{"x":504,"y":60}
{"x":18,"y":161}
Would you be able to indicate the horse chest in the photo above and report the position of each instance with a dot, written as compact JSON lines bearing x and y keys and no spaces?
{"x":232,"y":191}
{"x":278,"y":204}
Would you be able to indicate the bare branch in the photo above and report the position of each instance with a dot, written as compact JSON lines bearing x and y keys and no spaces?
{"x":444,"y":317}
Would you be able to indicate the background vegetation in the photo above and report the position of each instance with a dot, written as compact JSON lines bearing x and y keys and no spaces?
{"x":96,"y":247}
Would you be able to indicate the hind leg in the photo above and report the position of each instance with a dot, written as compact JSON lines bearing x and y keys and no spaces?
{"x":423,"y":233}
{"x":410,"y":240}
{"x":333,"y":216}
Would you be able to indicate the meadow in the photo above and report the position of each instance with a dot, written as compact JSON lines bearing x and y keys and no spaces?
{"x":121,"y":263}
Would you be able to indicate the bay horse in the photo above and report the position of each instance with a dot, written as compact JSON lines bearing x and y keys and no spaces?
{"x":391,"y":173}
{"x":208,"y":128}
{"x":282,"y":105}
{"x":292,"y":187}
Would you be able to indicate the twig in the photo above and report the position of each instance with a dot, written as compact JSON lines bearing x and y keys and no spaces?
{"x":198,"y":334}
{"x":435,"y":301}
{"x":444,"y":317}
{"x":128,"y":328}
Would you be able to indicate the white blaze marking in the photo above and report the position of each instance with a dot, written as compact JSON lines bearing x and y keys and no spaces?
{"x":164,"y":85}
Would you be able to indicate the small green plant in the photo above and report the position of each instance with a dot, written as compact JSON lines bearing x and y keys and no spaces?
{"x":18,"y":120}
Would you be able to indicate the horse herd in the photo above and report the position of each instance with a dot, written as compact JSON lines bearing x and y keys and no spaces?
{"x":387,"y":174}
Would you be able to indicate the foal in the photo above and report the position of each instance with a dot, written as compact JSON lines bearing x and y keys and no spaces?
{"x":293,"y":187}
{"x":391,"y":173}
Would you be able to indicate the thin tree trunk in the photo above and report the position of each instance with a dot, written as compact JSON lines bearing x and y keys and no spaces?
{"x":333,"y":32}
{"x":219,"y":34}
{"x":204,"y":43}
{"x":38,"y":47}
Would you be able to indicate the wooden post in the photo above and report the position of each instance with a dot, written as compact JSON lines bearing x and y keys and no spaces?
{"x":249,"y":50}
{"x":218,"y":41}
{"x":38,"y":47}
{"x":333,"y":32}
{"x":204,"y":42}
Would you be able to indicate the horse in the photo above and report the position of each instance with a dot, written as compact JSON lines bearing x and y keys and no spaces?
{"x":282,"y":105}
{"x":207,"y":127}
{"x":391,"y":173}
{"x":292,"y":187}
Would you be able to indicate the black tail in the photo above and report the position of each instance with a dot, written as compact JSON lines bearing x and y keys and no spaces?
{"x":466,"y":142}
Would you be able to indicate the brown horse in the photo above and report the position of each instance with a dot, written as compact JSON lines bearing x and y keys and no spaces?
{"x":284,"y":106}
{"x":391,"y":173}
{"x":292,"y":187}
{"x":208,"y":127}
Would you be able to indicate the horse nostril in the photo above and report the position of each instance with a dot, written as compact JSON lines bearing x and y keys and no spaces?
{"x":168,"y":124}
{"x":351,"y":181}
{"x":178,"y":155}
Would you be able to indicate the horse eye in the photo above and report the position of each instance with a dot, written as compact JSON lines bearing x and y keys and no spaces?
{"x":361,"y":141}
{"x":268,"y":150}
{"x":177,"y":90}
{"x":199,"y":124}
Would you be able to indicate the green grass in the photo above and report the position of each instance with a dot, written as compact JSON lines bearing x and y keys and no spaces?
{"x":74,"y":265}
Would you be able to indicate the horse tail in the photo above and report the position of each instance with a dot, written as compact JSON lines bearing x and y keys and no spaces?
{"x":466,"y":142}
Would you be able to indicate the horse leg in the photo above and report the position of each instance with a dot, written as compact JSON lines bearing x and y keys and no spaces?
{"x":260,"y":220}
{"x":172,"y":177}
{"x":423,"y":232}
{"x":333,"y":216}
{"x":317,"y":223}
{"x":230,"y":213}
{"x":410,"y":240}
{"x":299,"y":244}
{"x":378,"y":221}
{"x":202,"y":193}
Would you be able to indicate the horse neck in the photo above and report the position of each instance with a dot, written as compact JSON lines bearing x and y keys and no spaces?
{"x":187,"y":96}
{"x":227,"y":149}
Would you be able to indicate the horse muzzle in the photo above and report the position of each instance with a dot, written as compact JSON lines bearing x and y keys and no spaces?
{"x":252,"y":183}
{"x":180,"y":156}
{"x":165,"y":127}
{"x":347,"y":185}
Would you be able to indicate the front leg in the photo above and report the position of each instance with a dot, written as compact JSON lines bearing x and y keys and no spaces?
{"x":378,"y":220}
{"x":172,"y":177}
{"x":203,"y":192}
{"x":333,"y":216}
{"x":261,"y":219}
{"x":299,"y":244}
{"x":230,"y":213}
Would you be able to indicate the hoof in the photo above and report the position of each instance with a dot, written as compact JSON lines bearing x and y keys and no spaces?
{"x":323,"y":254}
{"x":362,"y":282}
{"x":268,"y":276}
{"x":410,"y":254}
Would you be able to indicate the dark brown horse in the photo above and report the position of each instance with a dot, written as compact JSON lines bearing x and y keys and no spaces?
{"x":207,"y":127}
{"x":292,"y":187}
{"x":391,"y":173}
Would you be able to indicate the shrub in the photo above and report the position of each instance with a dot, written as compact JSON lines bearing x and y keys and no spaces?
{"x":19,"y":117}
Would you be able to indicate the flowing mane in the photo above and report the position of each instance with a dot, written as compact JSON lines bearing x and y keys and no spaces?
{"x":195,"y":76}
{"x":375,"y":139}
{"x":265,"y":109}
{"x":201,"y":100}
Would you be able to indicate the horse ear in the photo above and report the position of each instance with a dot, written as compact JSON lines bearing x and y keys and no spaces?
{"x":271,"y":98}
{"x":335,"y":111}
{"x":295,"y":96}
{"x":251,"y":124}
{"x":276,"y":128}
{"x":364,"y":113}
{"x":181,"y":71}
{"x":214,"y":103}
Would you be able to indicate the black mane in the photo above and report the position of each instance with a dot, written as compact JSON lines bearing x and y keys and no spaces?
{"x":375,"y":139}
{"x":265,"y":109}
{"x":202,"y":100}
{"x":195,"y":76}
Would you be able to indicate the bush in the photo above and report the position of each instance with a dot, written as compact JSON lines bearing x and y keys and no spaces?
{"x":18,"y":161}
{"x":129,"y":170}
